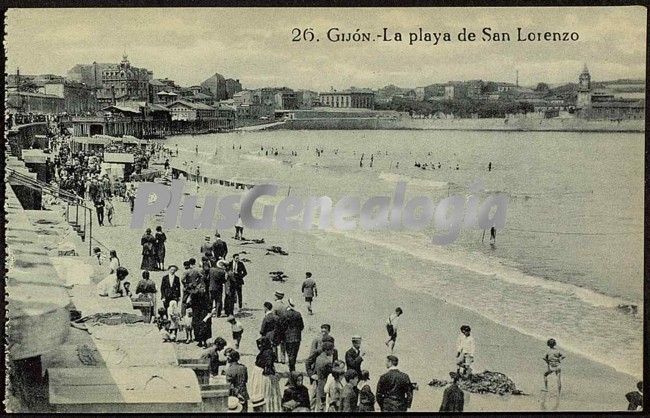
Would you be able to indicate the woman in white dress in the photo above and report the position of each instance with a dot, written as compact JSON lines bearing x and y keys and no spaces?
{"x":113,"y":262}
{"x":265,"y":383}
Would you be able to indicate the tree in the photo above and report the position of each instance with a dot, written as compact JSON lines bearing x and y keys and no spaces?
{"x":542,"y":87}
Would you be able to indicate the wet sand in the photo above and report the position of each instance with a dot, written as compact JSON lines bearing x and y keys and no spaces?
{"x":355,"y":300}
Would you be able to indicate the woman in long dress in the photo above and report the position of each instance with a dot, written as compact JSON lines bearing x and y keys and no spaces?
{"x":199,"y":302}
{"x":148,"y":243}
{"x":160,"y":247}
{"x":265,"y":383}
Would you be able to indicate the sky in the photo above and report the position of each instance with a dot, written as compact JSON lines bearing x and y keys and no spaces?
{"x":188,"y":45}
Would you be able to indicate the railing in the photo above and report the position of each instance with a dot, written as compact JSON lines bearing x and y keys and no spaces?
{"x":72,"y":201}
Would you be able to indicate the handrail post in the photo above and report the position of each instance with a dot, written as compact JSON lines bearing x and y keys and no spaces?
{"x":76,"y":217}
{"x":90,"y":235}
{"x":85,"y":223}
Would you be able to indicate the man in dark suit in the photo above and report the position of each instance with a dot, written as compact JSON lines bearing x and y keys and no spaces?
{"x":293,"y":326}
{"x":269,"y":322}
{"x":217,"y":280}
{"x":170,"y":287}
{"x":322,"y":368}
{"x":219,"y":248}
{"x":394,"y":389}
{"x":239,"y":272}
{"x":354,"y":356}
{"x":453,"y":398}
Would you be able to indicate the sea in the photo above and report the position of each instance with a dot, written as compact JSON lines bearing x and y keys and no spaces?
{"x":568,"y":264}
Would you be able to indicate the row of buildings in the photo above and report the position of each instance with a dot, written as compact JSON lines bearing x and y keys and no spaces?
{"x":92,"y":87}
{"x":624,"y":99}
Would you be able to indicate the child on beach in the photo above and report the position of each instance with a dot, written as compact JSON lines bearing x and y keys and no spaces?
{"x":174,"y":315}
{"x":465,"y":352}
{"x":160,"y":319}
{"x":237,"y":330}
{"x":553,"y":358}
{"x":391,"y":328}
{"x":109,"y":211}
{"x":162,"y":322}
{"x":239,"y":229}
{"x":187,"y":326}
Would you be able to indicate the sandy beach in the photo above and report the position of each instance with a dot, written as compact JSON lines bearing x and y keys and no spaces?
{"x":357,"y":300}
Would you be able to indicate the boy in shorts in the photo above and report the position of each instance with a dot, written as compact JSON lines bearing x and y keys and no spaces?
{"x":553,"y":358}
{"x":391,"y":328}
{"x":309,"y":290}
{"x":237,"y":330}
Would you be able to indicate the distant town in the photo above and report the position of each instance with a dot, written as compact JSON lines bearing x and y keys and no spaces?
{"x":100,"y":98}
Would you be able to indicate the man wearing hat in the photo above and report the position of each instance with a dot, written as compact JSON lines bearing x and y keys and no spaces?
{"x":394,"y":388}
{"x":293,"y":326}
{"x":280,"y":309}
{"x":354,"y":356}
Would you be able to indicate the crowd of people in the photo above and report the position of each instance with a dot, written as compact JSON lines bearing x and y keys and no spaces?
{"x":212,"y":287}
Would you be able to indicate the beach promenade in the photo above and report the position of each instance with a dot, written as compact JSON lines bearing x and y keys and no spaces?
{"x":356,"y":299}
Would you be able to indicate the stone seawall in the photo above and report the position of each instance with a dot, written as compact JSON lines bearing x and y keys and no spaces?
{"x":501,"y":124}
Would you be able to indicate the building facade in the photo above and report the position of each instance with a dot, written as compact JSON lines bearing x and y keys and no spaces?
{"x":35,"y":103}
{"x":356,"y":99}
{"x":232,"y":86}
{"x":286,"y":100}
{"x":126,"y":81}
{"x":428,"y":93}
{"x":456,"y":90}
{"x":78,"y":98}
{"x":88,"y":74}
{"x":216,"y":86}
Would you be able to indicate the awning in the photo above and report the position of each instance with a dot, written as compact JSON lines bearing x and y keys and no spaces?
{"x":132,"y":389}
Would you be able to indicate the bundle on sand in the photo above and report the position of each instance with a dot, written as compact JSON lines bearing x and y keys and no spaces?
{"x":278,"y":276}
{"x":277,"y":250}
{"x":252,"y":241}
{"x":486,"y":382}
{"x":110,"y":318}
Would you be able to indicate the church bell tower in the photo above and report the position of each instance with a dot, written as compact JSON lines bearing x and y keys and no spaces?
{"x":584,"y":89}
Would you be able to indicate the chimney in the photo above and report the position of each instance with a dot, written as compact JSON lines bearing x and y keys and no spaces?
{"x":17,"y":79}
{"x":517,"y":81}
